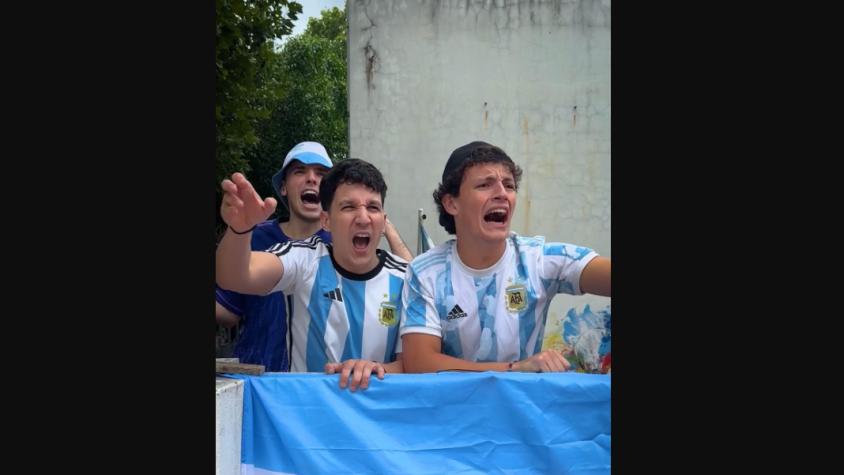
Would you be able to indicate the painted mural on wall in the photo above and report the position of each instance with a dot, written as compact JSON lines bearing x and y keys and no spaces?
{"x":585,"y":338}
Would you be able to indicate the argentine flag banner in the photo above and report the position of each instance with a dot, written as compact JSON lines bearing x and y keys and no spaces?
{"x":423,"y":241}
{"x":436,"y":423}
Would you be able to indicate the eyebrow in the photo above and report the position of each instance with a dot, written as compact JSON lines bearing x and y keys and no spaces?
{"x":492,"y":177}
{"x":352,"y":202}
{"x":317,"y":168}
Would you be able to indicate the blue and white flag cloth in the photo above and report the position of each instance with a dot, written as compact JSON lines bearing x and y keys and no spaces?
{"x":449,"y":422}
{"x":423,"y":241}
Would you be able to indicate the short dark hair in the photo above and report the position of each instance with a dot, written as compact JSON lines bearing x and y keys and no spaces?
{"x":351,"y":171}
{"x":462,"y":158}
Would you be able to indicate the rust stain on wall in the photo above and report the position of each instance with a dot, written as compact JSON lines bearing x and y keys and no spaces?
{"x":486,"y":117}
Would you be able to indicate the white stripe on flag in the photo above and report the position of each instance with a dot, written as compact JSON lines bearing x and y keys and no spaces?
{"x":249,"y":469}
{"x":423,"y":241}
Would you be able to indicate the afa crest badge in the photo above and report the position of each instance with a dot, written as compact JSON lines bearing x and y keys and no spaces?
{"x":387,"y":314}
{"x":516,"y":296}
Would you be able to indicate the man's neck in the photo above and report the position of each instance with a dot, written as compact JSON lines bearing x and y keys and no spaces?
{"x":359,"y":269}
{"x":299,"y":229}
{"x":480,"y":255}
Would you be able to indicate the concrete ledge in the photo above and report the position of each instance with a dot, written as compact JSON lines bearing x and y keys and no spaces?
{"x":229,"y":425}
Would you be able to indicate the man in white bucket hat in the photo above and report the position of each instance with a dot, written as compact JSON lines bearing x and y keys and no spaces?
{"x":264,"y":322}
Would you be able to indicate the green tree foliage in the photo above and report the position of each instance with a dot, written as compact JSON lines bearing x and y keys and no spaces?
{"x":311,"y":70}
{"x":270,"y":100}
{"x":246,"y":88}
{"x":331,"y":25}
{"x":245,"y":91}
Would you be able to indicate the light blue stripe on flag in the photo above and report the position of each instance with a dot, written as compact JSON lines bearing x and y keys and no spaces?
{"x":524,"y":423}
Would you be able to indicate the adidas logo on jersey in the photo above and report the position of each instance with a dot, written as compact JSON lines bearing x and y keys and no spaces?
{"x":456,"y":312}
{"x":334,"y":295}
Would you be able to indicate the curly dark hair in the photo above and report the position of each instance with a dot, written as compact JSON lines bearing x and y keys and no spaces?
{"x":351,"y":171}
{"x":479,"y":152}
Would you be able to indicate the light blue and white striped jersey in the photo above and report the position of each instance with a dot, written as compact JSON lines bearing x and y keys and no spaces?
{"x":338,"y":315}
{"x":494,"y":314}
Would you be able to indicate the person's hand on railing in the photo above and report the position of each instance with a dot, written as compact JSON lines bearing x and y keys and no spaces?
{"x":355,"y":373}
{"x":544,"y":362}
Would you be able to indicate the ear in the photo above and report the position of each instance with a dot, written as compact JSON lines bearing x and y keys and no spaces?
{"x":384,"y":226}
{"x":324,"y":221}
{"x":449,"y":204}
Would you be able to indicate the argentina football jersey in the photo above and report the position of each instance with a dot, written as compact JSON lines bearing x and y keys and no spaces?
{"x":496,"y":314}
{"x":339,"y":315}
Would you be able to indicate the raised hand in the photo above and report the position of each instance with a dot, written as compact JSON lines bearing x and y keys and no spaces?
{"x":242,"y":208}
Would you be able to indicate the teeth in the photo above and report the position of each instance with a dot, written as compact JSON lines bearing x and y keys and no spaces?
{"x":310,"y":196}
{"x":360,"y":240}
{"x":496,"y":215}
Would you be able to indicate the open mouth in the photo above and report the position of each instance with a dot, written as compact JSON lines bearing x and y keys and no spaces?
{"x":498,"y":215}
{"x":310,"y":197}
{"x":360,"y":241}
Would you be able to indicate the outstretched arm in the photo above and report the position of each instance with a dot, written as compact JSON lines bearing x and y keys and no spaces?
{"x":238,"y":268}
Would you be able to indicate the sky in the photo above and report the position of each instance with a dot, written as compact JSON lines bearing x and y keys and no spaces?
{"x":311,"y":8}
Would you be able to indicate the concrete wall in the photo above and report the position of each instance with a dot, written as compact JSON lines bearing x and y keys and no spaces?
{"x":229,"y":425}
{"x":533,"y":77}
